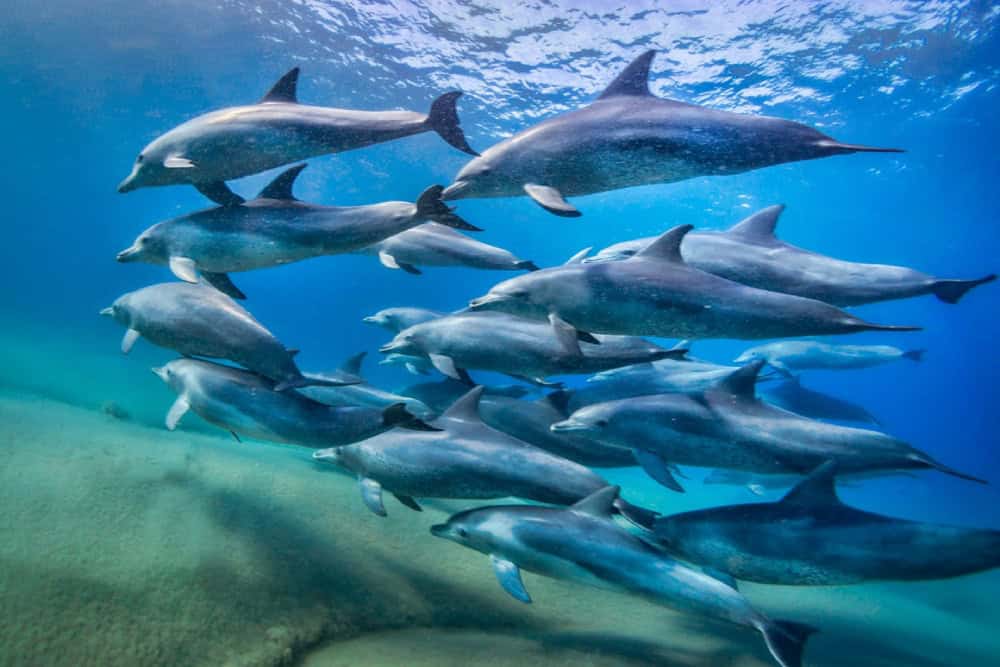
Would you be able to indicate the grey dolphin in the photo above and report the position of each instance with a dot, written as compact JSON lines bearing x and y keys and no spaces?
{"x":433,"y":244}
{"x":729,"y":427}
{"x":583,"y":544}
{"x":761,"y":484}
{"x":441,"y":394}
{"x":466,"y":459}
{"x":811,"y":538}
{"x":199,"y":320}
{"x":275,"y":229}
{"x":361,"y":393}
{"x":517,"y":346}
{"x":790,"y":394}
{"x":793,"y":356}
{"x":628,"y":137}
{"x":413,"y":364}
{"x":397,"y":319}
{"x":234,"y":142}
{"x":655,"y":293}
{"x":751,"y":254}
{"x":246,"y":404}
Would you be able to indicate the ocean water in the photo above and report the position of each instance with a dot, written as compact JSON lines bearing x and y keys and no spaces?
{"x":123,"y":544}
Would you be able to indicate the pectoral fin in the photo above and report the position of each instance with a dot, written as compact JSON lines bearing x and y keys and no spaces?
{"x":409,"y":268}
{"x":178,"y":161}
{"x":446,"y":365}
{"x":220,"y":193}
{"x":551,"y":200}
{"x":509,"y":576}
{"x":413,"y":369}
{"x":184,"y":268}
{"x":388,"y":261}
{"x":658,"y":469}
{"x":224,"y":284}
{"x":128,"y":340}
{"x":177,"y":410}
{"x":371,"y":494}
{"x":409,"y":502}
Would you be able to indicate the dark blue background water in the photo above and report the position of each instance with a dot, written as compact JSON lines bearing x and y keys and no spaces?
{"x":89,"y":84}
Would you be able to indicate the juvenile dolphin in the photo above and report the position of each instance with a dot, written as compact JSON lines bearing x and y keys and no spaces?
{"x":413,"y":364}
{"x":729,"y":427}
{"x":199,"y":320}
{"x":234,"y":142}
{"x":790,"y":394}
{"x":275,"y":229}
{"x":361,"y":393}
{"x":811,"y":538}
{"x":628,"y":137}
{"x":751,"y":254}
{"x":793,"y":356}
{"x":655,"y":293}
{"x":466,"y":459}
{"x":517,"y":346}
{"x":246,"y":404}
{"x":441,"y":394}
{"x":397,"y":319}
{"x":433,"y":244}
{"x":583,"y":544}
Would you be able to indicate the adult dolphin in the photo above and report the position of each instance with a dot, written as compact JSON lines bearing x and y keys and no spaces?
{"x":246,"y":404}
{"x":466,"y":459}
{"x":729,"y":427}
{"x":656,"y":293}
{"x":199,"y":320}
{"x":275,"y":228}
{"x":751,"y":254}
{"x":441,"y":394}
{"x":629,"y":137}
{"x":793,"y":356}
{"x":811,"y":538}
{"x":583,"y":544}
{"x":433,"y":244}
{"x":234,"y":142}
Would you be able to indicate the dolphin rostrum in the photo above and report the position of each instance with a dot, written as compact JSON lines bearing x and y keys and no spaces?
{"x":811,"y":538}
{"x":583,"y":544}
{"x":275,"y":229}
{"x":629,"y":137}
{"x":397,"y":319}
{"x":234,"y":142}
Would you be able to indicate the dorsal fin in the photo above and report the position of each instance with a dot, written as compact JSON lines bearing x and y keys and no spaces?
{"x":285,"y":89}
{"x":352,"y":364}
{"x":819,"y":488}
{"x":281,"y":186}
{"x":667,"y":246}
{"x":742,"y":381}
{"x":600,"y":503}
{"x":466,"y":408}
{"x":634,"y":80}
{"x":759,"y":227}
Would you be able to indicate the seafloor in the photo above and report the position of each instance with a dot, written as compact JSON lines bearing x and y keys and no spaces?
{"x":124,"y":544}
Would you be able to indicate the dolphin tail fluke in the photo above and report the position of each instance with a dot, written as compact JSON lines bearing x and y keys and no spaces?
{"x":639,"y":516}
{"x":443,"y":119}
{"x":914,"y":355}
{"x":430,"y":206}
{"x":952,"y":291}
{"x":786,"y":640}
{"x":838,"y":147}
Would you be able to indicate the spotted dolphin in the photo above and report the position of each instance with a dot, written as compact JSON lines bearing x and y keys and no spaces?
{"x":629,"y":137}
{"x":656,"y":293}
{"x":274,"y":229}
{"x":234,"y":142}
{"x":811,"y":537}
{"x":583,"y":544}
{"x":751,"y":254}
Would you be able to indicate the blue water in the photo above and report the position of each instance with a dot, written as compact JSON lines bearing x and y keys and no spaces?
{"x":88,"y":84}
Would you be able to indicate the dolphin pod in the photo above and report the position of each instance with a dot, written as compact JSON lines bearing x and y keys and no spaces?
{"x":642,"y":405}
{"x":629,"y":137}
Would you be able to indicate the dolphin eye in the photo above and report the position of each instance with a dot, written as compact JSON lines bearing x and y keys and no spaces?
{"x":138,"y":160}
{"x":601,"y":423}
{"x":462,"y":532}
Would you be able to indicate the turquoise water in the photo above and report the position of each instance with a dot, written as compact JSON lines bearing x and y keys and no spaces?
{"x":101,"y":517}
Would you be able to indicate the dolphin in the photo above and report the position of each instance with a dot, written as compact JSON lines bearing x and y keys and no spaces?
{"x":361,"y":393}
{"x":466,"y":459}
{"x":397,"y":319}
{"x":199,"y":320}
{"x":441,"y":394}
{"x":583,"y":544}
{"x":761,"y":484}
{"x":791,"y":395}
{"x":628,"y":137}
{"x":655,"y":293}
{"x":793,"y":356}
{"x":729,"y":427}
{"x":234,"y":142}
{"x":811,"y":538}
{"x":751,"y":254}
{"x":433,"y":244}
{"x":246,"y":404}
{"x":275,"y":229}
{"x":413,"y":364}
{"x":521,"y":347}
